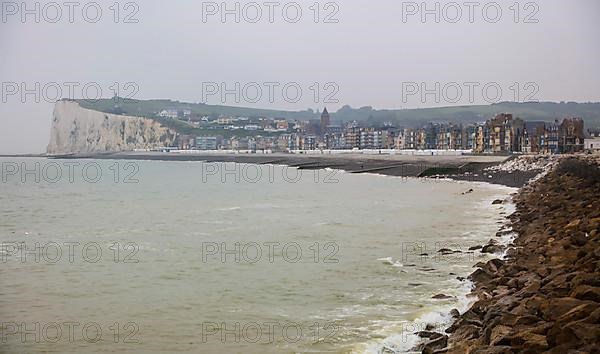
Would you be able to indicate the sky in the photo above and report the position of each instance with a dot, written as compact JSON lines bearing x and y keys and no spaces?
{"x":291,"y":55}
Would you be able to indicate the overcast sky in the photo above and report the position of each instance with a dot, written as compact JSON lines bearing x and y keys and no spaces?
{"x":380,"y":53}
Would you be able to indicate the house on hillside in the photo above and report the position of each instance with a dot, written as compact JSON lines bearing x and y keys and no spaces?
{"x":169,"y":113}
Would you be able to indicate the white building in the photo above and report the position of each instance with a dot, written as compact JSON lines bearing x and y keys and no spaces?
{"x":169,"y":113}
{"x":224,"y":120}
{"x":592,"y":143}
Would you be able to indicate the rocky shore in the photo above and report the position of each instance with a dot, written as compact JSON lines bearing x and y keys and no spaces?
{"x":544,"y":295}
{"x":514,"y":172}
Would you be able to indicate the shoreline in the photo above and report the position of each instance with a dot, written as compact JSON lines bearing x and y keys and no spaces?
{"x":543,"y":294}
{"x":432,"y":333}
{"x":472,"y":168}
{"x":412,"y":334}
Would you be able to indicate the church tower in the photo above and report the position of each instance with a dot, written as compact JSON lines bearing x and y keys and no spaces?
{"x":325,"y":121}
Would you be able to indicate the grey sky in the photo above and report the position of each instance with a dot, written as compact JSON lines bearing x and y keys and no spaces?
{"x":368,"y":55}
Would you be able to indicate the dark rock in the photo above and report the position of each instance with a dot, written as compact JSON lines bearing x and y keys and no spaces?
{"x":511,"y":252}
{"x":480,"y":276}
{"x":493,"y":249}
{"x":429,"y":334}
{"x":554,"y":308}
{"x":586,"y":292}
{"x":526,"y":320}
{"x":500,"y":335}
{"x":577,"y":331}
{"x":578,"y":313}
{"x":530,"y":342}
{"x":435,"y":344}
{"x":513,"y":283}
{"x":493,"y":265}
{"x":441,"y":351}
{"x":502,"y":349}
{"x":594,"y":317}
{"x":467,"y":331}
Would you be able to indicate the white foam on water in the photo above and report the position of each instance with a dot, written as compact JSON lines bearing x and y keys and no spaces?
{"x":386,"y":260}
{"x":230,"y":208}
{"x":439,"y":316}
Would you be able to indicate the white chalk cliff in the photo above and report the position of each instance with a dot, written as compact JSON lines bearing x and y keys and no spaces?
{"x":79,"y":130}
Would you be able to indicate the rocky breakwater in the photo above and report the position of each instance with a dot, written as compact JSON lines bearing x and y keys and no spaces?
{"x":79,"y":130}
{"x":544,"y":296}
{"x":515,"y":172}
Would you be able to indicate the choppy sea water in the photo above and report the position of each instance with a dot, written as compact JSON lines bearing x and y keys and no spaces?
{"x":157,"y":257}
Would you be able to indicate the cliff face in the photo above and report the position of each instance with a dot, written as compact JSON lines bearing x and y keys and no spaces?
{"x":79,"y":130}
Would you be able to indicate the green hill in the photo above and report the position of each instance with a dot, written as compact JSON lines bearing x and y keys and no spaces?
{"x":543,"y":111}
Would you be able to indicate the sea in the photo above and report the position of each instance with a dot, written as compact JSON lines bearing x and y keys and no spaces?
{"x":103,"y":256}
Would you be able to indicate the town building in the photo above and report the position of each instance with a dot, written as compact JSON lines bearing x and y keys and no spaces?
{"x":502,"y":134}
{"x":351,"y":137}
{"x":206,"y":143}
{"x":308,"y":142}
{"x":505,"y":134}
{"x":185,"y":142}
{"x":469,"y":134}
{"x":571,"y":135}
{"x":281,"y":125}
{"x":533,"y":139}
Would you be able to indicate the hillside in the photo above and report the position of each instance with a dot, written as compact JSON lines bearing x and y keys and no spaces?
{"x":544,"y":111}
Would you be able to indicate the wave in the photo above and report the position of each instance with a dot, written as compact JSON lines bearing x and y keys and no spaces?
{"x":404,"y":339}
{"x":436,"y":318}
{"x":390,"y":261}
{"x":229,"y":208}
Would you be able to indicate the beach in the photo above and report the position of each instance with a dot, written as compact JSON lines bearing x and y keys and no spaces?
{"x":458,"y":167}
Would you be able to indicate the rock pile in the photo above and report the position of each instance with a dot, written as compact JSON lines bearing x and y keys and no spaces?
{"x":545,"y":296}
{"x":514,"y":172}
{"x":526,"y":163}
